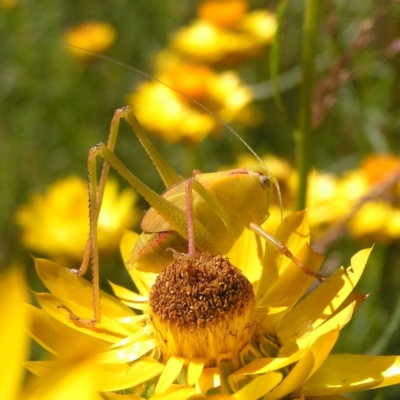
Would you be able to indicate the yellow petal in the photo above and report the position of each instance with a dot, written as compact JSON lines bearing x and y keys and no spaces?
{"x":245,"y":255}
{"x":53,"y":335}
{"x":214,"y":397}
{"x":195,"y":369}
{"x":176,"y":392}
{"x":210,"y":378}
{"x":74,"y":378}
{"x":142,"y":280}
{"x":130,"y":348}
{"x":264,"y":365}
{"x":280,"y":270}
{"x":114,"y":396}
{"x":13,"y":338}
{"x":309,"y":363}
{"x":65,"y":285}
{"x":170,"y":373}
{"x":134,"y":319}
{"x":259,"y":386}
{"x":345,"y":373}
{"x":109,"y":330}
{"x":279,"y":297}
{"x":119,"y":377}
{"x":319,"y":305}
{"x":309,"y":338}
{"x":131,"y":299}
{"x":38,"y":368}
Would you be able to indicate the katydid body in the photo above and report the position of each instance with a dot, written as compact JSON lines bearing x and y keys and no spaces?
{"x":242,"y":194}
{"x":207,"y":212}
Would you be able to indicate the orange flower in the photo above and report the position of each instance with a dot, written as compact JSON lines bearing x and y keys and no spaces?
{"x":223,"y":13}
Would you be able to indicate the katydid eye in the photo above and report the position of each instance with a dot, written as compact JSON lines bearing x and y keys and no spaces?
{"x":265,"y":182}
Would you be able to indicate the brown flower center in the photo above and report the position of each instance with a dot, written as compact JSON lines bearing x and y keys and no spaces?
{"x":202,"y":306}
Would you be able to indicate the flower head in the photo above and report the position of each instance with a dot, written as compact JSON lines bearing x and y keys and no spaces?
{"x":178,"y":117}
{"x":195,"y":302}
{"x":206,"y":328}
{"x":93,"y":36}
{"x":57,"y":224}
{"x":225,"y":32}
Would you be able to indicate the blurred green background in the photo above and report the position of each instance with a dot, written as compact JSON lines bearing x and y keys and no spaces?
{"x":54,"y":108}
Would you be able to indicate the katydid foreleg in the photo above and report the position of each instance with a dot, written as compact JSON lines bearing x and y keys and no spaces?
{"x":276,"y":244}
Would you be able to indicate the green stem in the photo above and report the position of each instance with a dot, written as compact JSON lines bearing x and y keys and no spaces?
{"x":304,"y":132}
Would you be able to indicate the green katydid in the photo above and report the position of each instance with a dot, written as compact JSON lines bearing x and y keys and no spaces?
{"x":207,"y":212}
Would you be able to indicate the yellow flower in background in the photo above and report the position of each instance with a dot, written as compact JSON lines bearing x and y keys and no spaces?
{"x":93,"y":36}
{"x":356,"y":199}
{"x":204,"y":327}
{"x":223,"y":13}
{"x":378,"y":217}
{"x":177,"y":117}
{"x":8,"y":4}
{"x":57,"y":223}
{"x":225,"y":32}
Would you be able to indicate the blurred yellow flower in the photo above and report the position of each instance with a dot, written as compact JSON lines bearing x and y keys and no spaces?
{"x":205,"y":328}
{"x":225,"y":32}
{"x":93,"y":36}
{"x":177,"y":117}
{"x":57,"y":223}
{"x":8,"y":3}
{"x":356,"y":199}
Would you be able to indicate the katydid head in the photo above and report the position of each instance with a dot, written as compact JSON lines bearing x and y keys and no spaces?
{"x":265,"y":178}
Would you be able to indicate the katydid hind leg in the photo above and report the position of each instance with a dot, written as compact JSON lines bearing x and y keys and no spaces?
{"x":174,"y":215}
{"x":167,"y":174}
{"x":96,"y":194}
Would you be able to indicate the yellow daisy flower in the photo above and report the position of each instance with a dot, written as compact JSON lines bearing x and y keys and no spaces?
{"x":179,"y":118}
{"x":57,"y":223}
{"x":94,"y":36}
{"x":225,"y":32}
{"x":204,"y":327}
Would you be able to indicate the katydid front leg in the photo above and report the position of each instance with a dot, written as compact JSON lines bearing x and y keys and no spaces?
{"x":278,"y":245}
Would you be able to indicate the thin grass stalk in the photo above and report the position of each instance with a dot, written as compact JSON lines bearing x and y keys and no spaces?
{"x":303,"y":136}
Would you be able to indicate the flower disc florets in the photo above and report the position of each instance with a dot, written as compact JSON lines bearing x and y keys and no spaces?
{"x":202,"y":306}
